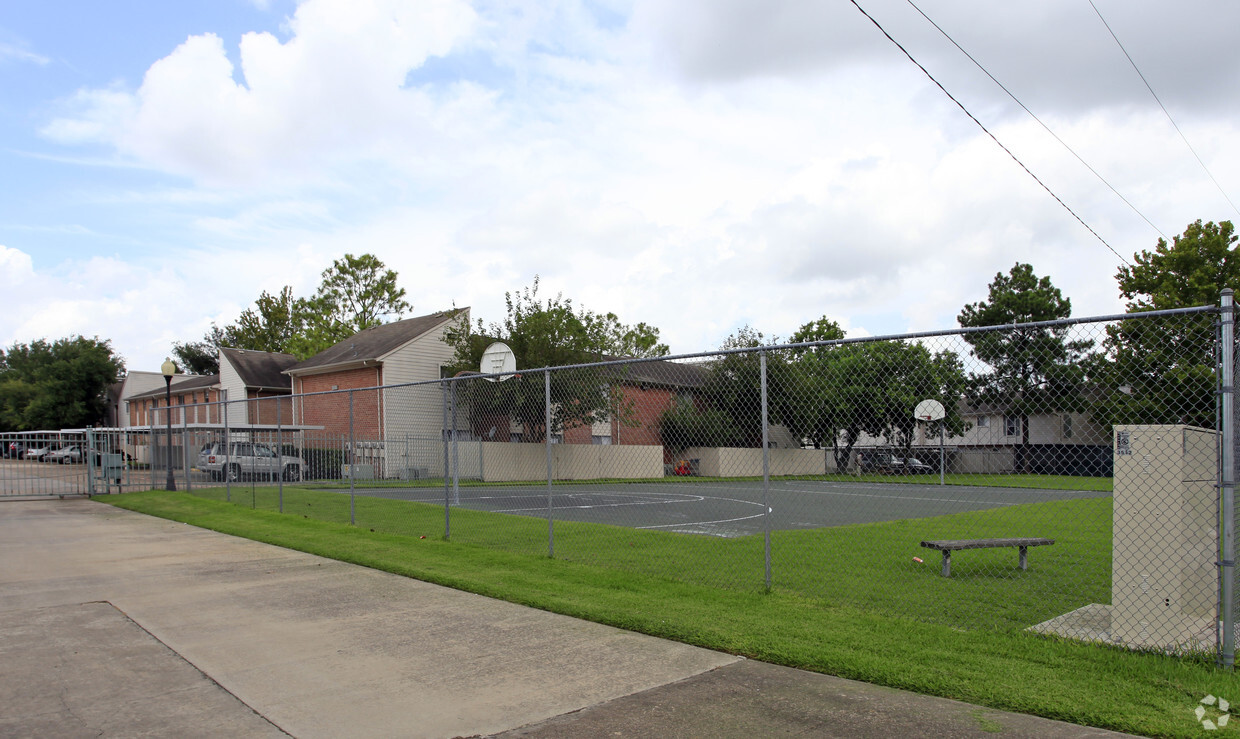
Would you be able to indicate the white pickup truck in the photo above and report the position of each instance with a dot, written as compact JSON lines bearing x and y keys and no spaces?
{"x":247,"y":459}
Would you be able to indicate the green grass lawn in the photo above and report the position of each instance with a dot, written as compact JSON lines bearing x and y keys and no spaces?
{"x":868,"y":566}
{"x":848,"y":601}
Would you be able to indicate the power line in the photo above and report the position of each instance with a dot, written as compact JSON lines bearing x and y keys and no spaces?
{"x":999,"y":143}
{"x":1164,"y":108}
{"x":978,"y":64}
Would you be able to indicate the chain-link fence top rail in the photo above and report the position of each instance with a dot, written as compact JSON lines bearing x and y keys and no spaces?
{"x":1065,"y":476}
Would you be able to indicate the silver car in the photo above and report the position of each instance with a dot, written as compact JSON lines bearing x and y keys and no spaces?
{"x":65,"y":454}
{"x":247,"y":459}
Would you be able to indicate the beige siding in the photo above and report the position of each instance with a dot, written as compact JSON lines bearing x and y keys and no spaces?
{"x":233,"y":389}
{"x":413,"y":415}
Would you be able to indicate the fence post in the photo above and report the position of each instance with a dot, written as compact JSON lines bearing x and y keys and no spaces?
{"x":352,"y":465}
{"x":88,"y":456}
{"x":227,"y":450}
{"x":185,"y":448}
{"x":279,"y":457}
{"x":1228,"y":478}
{"x":547,"y":441}
{"x":456,"y":455}
{"x":766,"y":474}
{"x":447,"y":493}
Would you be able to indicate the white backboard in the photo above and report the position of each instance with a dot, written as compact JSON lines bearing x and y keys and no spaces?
{"x":929,"y":410}
{"x":498,"y":358}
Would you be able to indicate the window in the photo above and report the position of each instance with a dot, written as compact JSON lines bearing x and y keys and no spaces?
{"x":1067,"y":426}
{"x":1011,"y":425}
{"x":601,"y":440}
{"x":516,"y":438}
{"x":983,"y":422}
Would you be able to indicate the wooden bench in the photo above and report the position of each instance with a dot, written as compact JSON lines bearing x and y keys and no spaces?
{"x":949,"y":546}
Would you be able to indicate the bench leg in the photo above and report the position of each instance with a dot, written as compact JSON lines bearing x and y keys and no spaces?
{"x":1024,"y":558}
{"x":947,"y":563}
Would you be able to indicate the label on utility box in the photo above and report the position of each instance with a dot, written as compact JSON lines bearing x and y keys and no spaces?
{"x":1123,"y":444}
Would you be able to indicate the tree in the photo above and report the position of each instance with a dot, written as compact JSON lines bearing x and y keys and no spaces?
{"x":551,"y":333}
{"x":1031,"y":369}
{"x":734,"y":386}
{"x":1192,"y":271}
{"x":1163,"y":370}
{"x":356,"y":293}
{"x":63,"y":384}
{"x":271,"y":325}
{"x":904,"y":374}
{"x":203,"y":357}
{"x":847,"y":390}
{"x":684,"y":425}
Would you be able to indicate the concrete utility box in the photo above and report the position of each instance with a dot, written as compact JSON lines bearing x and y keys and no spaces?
{"x":1164,"y":583}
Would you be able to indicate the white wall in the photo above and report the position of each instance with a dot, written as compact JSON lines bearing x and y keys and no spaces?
{"x":730,"y":462}
{"x":232,"y":388}
{"x":503,"y":462}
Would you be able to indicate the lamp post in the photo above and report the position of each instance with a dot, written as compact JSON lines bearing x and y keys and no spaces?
{"x":169,"y":369}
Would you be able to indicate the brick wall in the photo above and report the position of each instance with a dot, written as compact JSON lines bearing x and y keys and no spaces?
{"x":331,"y":411}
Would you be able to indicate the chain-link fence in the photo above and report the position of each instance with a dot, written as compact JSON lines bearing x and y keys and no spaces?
{"x":1070,"y":476}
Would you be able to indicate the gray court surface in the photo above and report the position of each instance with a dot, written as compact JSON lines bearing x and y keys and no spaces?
{"x":731,"y":509}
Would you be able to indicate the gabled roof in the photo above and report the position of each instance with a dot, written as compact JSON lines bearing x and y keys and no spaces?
{"x":261,"y":370}
{"x":374,"y":344}
{"x":664,"y":373}
{"x":182,"y":386}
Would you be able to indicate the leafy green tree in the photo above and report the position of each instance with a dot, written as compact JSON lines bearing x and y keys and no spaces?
{"x":356,"y":293}
{"x":271,"y":325}
{"x":203,"y":357}
{"x":57,"y":385}
{"x":1032,"y":370}
{"x":684,"y":425}
{"x":845,"y":391}
{"x":551,"y":333}
{"x":905,"y":374}
{"x":734,"y":386}
{"x":1191,"y":271}
{"x":821,"y":412}
{"x":1163,"y":370}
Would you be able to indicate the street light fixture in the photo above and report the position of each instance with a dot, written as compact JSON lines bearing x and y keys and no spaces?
{"x":169,"y":369}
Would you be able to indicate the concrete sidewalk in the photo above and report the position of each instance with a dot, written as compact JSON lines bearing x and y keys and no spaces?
{"x":116,"y":623}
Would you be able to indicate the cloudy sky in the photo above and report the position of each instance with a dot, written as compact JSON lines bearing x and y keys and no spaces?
{"x":697,"y":165}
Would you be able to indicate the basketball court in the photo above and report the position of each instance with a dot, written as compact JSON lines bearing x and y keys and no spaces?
{"x":731,"y":509}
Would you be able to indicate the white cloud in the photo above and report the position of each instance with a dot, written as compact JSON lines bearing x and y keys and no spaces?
{"x":333,"y":92}
{"x":10,"y":51}
{"x":697,"y":166}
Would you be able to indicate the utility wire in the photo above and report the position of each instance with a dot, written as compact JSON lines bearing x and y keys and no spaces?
{"x":985,"y":71}
{"x":960,"y":105}
{"x":1164,"y":108}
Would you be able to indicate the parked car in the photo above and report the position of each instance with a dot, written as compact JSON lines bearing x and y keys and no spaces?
{"x":914,"y":466}
{"x":879,"y":462}
{"x":247,"y":459}
{"x":38,"y":451}
{"x":65,"y":454}
{"x":14,"y":449}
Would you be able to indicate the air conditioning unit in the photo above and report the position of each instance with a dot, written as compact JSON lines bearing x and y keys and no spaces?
{"x":1164,"y":582}
{"x":415,"y":473}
